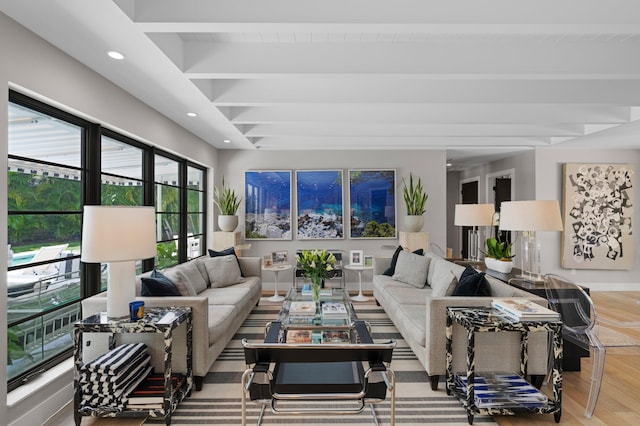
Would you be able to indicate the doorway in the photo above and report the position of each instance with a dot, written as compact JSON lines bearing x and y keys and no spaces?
{"x":469,"y":195}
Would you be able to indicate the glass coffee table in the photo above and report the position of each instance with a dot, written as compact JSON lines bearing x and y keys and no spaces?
{"x":332,"y":320}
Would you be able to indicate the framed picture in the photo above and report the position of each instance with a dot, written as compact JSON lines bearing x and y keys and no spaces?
{"x":319,"y":204}
{"x":268,"y":205}
{"x":279,"y":257}
{"x":368,"y":261}
{"x":356,"y":257}
{"x":598,"y":213}
{"x":267,"y":261}
{"x":372,"y":204}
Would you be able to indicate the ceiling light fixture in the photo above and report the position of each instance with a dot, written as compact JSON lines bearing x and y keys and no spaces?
{"x":192,"y":114}
{"x":449,"y":164}
{"x":115,"y":55}
{"x":226,"y":141}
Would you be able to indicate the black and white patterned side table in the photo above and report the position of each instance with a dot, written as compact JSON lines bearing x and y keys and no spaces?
{"x":478,"y":320}
{"x":155,"y":320}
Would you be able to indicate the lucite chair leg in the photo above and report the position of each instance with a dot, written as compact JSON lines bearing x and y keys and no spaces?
{"x":597,"y":373}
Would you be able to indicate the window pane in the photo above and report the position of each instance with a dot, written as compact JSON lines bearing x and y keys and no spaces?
{"x":169,"y":225}
{"x":167,"y":254}
{"x":31,"y":231}
{"x":33,"y":188}
{"x":121,"y":191}
{"x":167,"y":199}
{"x":195,"y":178}
{"x":121,"y":159}
{"x":40,"y":339}
{"x":39,"y":136}
{"x":194,"y":246}
{"x":166,"y":170}
{"x":195,"y":201}
{"x":194,"y":224}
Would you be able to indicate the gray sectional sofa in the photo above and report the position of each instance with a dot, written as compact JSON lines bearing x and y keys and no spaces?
{"x":219,"y":308}
{"x":419,"y":314}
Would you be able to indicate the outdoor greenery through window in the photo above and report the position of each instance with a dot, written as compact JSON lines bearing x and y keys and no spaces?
{"x":52,"y":157}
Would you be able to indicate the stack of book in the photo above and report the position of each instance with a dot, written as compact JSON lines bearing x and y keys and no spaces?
{"x":302,"y":309}
{"x":334,"y":310}
{"x":521,"y":309}
{"x":502,"y":390}
{"x":150,"y":394}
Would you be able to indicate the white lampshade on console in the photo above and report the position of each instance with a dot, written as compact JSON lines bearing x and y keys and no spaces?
{"x":473,"y":215}
{"x":118,"y":236}
{"x":529,"y":217}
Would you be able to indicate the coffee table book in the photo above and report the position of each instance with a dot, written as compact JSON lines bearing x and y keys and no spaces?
{"x":334,"y":310}
{"x":302,"y":308}
{"x":522,"y":309}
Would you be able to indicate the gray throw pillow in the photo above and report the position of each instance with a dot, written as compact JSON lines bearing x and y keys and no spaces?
{"x":442,"y":278}
{"x":223,"y":271}
{"x":412,"y":269}
{"x":187,"y":278}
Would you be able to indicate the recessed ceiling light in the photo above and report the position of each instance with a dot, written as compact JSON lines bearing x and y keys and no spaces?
{"x":192,"y":114}
{"x":226,"y":141}
{"x":449,"y":164}
{"x":115,"y":55}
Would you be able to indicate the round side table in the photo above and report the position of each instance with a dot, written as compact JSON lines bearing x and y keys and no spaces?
{"x":359,"y":269}
{"x":276,"y":270}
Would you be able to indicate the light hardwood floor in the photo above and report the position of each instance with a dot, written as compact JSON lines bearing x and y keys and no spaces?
{"x":619,"y":402}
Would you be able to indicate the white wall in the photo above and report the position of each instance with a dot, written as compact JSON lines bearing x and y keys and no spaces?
{"x":35,"y":67}
{"x":427,"y":165}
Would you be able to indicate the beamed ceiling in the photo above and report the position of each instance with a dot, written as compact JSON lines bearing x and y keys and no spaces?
{"x":480,"y":79}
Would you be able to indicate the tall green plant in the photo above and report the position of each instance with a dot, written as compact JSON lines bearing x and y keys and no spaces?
{"x":414,"y":196}
{"x":226,"y":199}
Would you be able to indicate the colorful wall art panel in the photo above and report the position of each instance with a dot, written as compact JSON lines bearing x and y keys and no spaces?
{"x":598,"y":213}
{"x":372,"y":205}
{"x":319,"y":201}
{"x":268,"y":204}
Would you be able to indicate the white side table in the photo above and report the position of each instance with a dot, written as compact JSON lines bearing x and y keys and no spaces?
{"x":276,"y":270}
{"x":359,"y":269}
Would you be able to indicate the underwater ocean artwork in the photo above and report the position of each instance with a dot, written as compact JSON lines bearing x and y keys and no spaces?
{"x":372,"y":205}
{"x":319,"y":200}
{"x":268,"y":204}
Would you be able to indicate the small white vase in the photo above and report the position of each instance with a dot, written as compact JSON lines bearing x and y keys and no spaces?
{"x":413,"y":223}
{"x":498,"y":265}
{"x":227,"y":223}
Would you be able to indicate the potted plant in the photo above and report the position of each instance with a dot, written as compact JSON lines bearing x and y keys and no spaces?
{"x":415,"y":200}
{"x":498,"y":255}
{"x":228,"y":202}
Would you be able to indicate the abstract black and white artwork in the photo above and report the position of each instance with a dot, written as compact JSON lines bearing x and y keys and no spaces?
{"x":598,"y":212}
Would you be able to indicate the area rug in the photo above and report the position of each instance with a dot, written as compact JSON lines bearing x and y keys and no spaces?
{"x":218,"y":403}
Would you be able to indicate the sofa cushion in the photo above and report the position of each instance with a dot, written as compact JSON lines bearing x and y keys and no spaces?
{"x":223,"y":271}
{"x":158,"y":285}
{"x":394,"y":260}
{"x":472,"y":283}
{"x":226,"y":252}
{"x":187,"y":278}
{"x":411,"y":269}
{"x":221,"y":319}
{"x":440,"y":277}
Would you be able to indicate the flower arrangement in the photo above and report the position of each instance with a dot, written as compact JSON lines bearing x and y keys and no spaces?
{"x":317,"y":265}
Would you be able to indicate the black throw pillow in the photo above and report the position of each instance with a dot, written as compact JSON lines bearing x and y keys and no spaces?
{"x":394,"y":260}
{"x":472,"y":283}
{"x":226,"y":252}
{"x":158,"y":285}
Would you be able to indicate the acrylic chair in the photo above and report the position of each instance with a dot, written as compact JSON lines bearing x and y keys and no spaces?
{"x":582,"y":326}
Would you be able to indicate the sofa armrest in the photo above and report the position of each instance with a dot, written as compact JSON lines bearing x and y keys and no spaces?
{"x":381,"y":264}
{"x":251,"y":266}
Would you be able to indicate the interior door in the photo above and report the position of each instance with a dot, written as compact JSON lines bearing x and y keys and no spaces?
{"x":469,"y":196}
{"x":502,"y":192}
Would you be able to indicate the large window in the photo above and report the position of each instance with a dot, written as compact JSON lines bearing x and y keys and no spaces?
{"x":57,"y":164}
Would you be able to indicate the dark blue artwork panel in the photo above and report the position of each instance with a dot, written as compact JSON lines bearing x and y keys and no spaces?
{"x":268,"y":204}
{"x":372,"y":205}
{"x":319,"y":201}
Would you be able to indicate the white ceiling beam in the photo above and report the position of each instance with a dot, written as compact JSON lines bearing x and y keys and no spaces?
{"x":416,"y":130}
{"x":432,"y":113}
{"x":402,"y":12}
{"x":519,"y":59}
{"x":333,"y":90}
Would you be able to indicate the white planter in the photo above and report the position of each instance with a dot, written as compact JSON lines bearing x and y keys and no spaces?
{"x":413,"y":223}
{"x":498,"y":265}
{"x":227,"y":223}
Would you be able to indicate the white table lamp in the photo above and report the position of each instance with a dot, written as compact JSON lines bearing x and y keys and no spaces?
{"x":530,"y":217}
{"x":474,"y":215}
{"x":119,"y":236}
